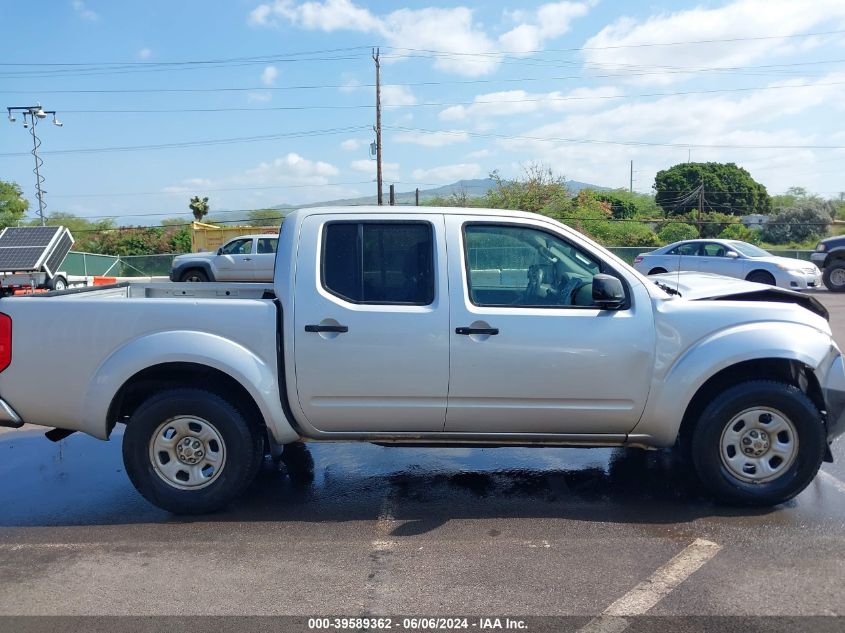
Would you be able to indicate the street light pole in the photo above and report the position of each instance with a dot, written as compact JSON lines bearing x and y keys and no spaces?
{"x":31,"y":116}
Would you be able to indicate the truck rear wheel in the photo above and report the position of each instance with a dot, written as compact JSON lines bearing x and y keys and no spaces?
{"x":834,"y":276}
{"x":189,"y":451}
{"x":758,"y":443}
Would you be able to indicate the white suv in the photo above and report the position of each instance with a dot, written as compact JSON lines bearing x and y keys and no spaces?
{"x":243,"y":258}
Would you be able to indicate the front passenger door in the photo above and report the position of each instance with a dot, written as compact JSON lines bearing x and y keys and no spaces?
{"x":235,"y":261}
{"x":530,"y":353}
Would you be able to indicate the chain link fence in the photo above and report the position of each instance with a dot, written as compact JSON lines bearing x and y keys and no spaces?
{"x":90,"y":264}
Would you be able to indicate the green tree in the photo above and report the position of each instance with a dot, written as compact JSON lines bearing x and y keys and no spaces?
{"x":798,"y":224}
{"x":199,"y":207}
{"x":538,"y":188}
{"x":266,"y":217}
{"x":677,"y":231}
{"x":740,"y":232}
{"x":626,"y":204}
{"x":13,"y":205}
{"x":727,"y":189}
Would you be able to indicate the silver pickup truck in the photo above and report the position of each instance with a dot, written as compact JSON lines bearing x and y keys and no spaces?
{"x":431,"y":326}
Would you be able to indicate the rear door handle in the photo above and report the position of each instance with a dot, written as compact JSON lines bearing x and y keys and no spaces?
{"x":327,"y":328}
{"x":492,"y":331}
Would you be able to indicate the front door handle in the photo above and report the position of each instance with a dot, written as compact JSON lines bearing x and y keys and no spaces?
{"x":492,"y":331}
{"x":327,"y":328}
{"x":247,"y":259}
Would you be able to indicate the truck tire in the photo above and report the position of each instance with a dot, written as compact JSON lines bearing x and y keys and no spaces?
{"x":758,"y":443}
{"x":834,"y":276}
{"x":57,"y":283}
{"x":194,"y":275}
{"x":189,"y":451}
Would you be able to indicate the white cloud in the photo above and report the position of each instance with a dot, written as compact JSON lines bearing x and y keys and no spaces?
{"x":548,"y":22}
{"x":738,"y":19}
{"x":351,"y":144}
{"x":145,"y":53}
{"x":762,"y":118}
{"x":511,"y":102}
{"x":481,"y":153}
{"x":83,"y":11}
{"x":269,"y":75}
{"x":290,"y":169}
{"x":447,"y":173}
{"x":259,"y":96}
{"x":469,"y":49}
{"x":392,"y":95}
{"x":431,"y":139}
{"x":389,"y":171}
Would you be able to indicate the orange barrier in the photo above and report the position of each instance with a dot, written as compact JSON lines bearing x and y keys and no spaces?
{"x":104,"y":281}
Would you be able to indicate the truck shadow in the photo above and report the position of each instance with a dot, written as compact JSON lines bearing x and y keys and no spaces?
{"x":80,"y":481}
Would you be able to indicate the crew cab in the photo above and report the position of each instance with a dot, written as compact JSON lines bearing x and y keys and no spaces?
{"x":243,"y":258}
{"x":427,"y":327}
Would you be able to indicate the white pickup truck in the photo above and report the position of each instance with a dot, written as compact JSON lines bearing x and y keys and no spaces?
{"x":431,"y":327}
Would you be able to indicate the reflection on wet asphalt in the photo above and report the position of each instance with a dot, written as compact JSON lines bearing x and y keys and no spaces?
{"x":80,"y":481}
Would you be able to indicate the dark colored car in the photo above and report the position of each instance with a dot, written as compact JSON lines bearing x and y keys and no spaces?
{"x":830,"y":257}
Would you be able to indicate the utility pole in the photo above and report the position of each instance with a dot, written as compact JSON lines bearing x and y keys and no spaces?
{"x":392,"y":195}
{"x":631,"y":189}
{"x":378,"y":126}
{"x":31,"y":116}
{"x":700,"y":205}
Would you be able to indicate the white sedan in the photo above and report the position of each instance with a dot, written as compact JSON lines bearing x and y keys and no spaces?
{"x":731,"y":258}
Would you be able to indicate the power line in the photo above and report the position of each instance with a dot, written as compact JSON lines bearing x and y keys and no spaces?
{"x":544,"y":99}
{"x":610,"y":142}
{"x":201,"y":143}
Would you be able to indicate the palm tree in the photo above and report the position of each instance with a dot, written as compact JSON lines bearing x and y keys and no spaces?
{"x":199,"y":207}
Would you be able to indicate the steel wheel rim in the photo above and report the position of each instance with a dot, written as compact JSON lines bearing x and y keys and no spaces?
{"x":837,"y":276}
{"x":187,"y":452}
{"x":758,"y":445}
{"x":193,"y":278}
{"x":60,"y":285}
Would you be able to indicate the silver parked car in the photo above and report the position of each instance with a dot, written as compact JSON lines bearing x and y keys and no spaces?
{"x":730,"y":258}
{"x":243,"y":258}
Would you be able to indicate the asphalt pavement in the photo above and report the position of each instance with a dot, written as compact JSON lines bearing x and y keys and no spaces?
{"x":357,"y":530}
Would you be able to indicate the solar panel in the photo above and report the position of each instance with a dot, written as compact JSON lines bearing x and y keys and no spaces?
{"x":28,"y":248}
{"x":60,"y":251}
{"x":28,"y":235}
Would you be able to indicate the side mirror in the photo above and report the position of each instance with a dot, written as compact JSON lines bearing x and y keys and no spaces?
{"x":220,"y":251}
{"x":732,"y":254}
{"x":608,"y":292}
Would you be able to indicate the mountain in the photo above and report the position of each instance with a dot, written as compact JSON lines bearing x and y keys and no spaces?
{"x":473,"y":188}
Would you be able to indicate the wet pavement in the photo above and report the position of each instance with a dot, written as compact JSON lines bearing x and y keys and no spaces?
{"x":358,"y":529}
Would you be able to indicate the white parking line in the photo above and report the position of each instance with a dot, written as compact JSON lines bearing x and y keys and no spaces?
{"x":652,"y":590}
{"x":832,"y":480}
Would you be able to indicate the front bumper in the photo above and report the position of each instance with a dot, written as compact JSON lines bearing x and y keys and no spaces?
{"x":834,"y":398}
{"x":8,"y":416}
{"x":803,"y":280}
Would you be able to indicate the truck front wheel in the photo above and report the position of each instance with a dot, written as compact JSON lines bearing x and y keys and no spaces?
{"x":758,"y":443}
{"x":834,"y":276}
{"x":189,"y":451}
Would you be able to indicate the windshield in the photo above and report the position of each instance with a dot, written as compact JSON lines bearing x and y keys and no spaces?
{"x":749,"y":250}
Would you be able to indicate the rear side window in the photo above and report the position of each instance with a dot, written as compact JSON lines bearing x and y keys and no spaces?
{"x":379,"y":262}
{"x":267,"y":245}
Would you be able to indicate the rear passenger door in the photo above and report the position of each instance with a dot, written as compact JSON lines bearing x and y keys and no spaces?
{"x":371,"y":319}
{"x":682,"y":257}
{"x":265,"y":258}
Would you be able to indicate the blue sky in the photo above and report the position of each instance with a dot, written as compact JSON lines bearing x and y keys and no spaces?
{"x":583,"y":86}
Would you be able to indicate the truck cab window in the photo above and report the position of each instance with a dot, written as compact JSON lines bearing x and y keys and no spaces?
{"x":267,"y":245}
{"x":379,"y":263}
{"x":511,"y":265}
{"x":238,"y":247}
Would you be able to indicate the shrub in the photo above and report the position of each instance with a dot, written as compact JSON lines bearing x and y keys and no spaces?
{"x":677,"y":231}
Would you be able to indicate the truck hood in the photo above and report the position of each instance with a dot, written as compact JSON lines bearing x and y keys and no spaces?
{"x":694,"y":286}
{"x":195,"y":256}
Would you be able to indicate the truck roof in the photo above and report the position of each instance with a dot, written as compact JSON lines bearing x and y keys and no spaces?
{"x":400,"y":209}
